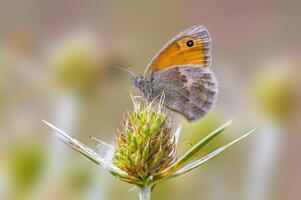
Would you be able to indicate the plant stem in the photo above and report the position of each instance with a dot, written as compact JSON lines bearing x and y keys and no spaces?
{"x":145,"y":193}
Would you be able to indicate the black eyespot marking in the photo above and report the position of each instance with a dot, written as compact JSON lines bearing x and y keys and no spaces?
{"x":189,"y":43}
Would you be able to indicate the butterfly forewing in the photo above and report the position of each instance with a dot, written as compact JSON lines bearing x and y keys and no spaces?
{"x":192,"y":46}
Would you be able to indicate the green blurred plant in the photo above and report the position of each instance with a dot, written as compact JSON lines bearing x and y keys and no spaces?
{"x":77,"y":67}
{"x":25,"y":162}
{"x":275,"y":94}
{"x":145,"y":149}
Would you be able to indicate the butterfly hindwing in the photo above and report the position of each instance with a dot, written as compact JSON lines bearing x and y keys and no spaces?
{"x":190,"y":47}
{"x":189,"y":90}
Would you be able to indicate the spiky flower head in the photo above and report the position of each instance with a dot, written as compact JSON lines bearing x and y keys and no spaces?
{"x":145,"y":144}
{"x":145,"y":148}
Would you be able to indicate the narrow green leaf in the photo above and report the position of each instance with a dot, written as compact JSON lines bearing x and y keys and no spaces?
{"x":192,"y":152}
{"x":199,"y":162}
{"x":76,"y":145}
{"x":84,"y":150}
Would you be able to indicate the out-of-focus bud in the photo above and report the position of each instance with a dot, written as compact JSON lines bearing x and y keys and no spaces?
{"x":275,"y":93}
{"x":78,"y":65}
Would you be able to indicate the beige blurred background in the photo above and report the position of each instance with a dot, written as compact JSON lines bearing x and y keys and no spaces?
{"x":55,"y":59}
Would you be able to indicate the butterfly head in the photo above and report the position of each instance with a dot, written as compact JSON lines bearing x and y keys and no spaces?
{"x":145,"y":85}
{"x":139,"y":83}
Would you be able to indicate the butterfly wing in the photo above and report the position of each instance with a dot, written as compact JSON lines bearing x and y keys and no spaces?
{"x":189,"y":90}
{"x":190,"y":47}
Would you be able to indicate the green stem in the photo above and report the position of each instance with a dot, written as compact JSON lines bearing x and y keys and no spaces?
{"x":145,"y":193}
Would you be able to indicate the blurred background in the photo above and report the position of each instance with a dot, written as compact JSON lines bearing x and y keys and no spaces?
{"x":55,"y":64}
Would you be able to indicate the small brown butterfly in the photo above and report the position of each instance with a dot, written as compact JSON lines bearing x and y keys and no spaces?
{"x":181,"y":71}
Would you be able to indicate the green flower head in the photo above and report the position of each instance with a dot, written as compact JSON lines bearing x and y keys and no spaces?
{"x":144,"y":152}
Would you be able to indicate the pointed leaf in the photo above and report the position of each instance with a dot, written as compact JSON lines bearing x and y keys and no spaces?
{"x":84,"y":150}
{"x":197,"y":163}
{"x":192,"y":152}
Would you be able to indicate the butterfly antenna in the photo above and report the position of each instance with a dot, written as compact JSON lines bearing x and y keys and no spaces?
{"x":126,"y":70}
{"x":131,"y":69}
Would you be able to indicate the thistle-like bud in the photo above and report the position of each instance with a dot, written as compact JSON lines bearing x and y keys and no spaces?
{"x":145,"y":149}
{"x":145,"y":144}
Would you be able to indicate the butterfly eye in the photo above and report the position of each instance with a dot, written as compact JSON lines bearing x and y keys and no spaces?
{"x":189,"y":43}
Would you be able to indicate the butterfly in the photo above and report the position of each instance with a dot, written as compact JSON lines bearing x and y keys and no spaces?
{"x":180,"y":70}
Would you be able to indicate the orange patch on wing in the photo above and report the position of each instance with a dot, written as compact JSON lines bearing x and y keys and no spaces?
{"x":179,"y":53}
